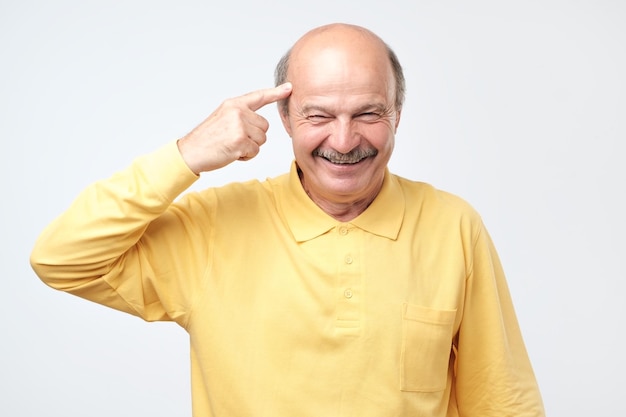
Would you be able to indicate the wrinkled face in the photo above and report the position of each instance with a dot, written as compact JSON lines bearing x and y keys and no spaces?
{"x":342,"y":120}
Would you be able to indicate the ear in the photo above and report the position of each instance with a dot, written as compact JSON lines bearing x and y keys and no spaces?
{"x":284,"y":117}
{"x":398,"y":114}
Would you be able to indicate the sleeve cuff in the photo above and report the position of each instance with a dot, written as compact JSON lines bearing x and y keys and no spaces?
{"x":166,"y":171}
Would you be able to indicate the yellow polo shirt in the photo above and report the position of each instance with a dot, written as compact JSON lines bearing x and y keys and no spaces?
{"x":403,"y":311}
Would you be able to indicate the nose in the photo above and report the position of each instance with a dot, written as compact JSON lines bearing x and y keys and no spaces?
{"x":343,"y":138}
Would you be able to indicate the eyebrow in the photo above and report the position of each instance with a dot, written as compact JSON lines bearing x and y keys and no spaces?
{"x":308,"y":108}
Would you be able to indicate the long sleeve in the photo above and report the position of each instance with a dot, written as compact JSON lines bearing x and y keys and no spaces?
{"x":101,"y":248}
{"x":494,"y":374}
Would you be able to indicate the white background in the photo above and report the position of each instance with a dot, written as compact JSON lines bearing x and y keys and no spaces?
{"x":518,"y":107}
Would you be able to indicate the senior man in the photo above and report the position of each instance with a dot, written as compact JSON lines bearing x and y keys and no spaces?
{"x":336,"y":289}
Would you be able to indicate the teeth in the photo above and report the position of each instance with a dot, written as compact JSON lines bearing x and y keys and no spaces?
{"x":351,"y":157}
{"x":343,"y":161}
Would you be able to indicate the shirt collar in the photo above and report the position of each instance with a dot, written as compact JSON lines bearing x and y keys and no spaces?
{"x":307,"y":220}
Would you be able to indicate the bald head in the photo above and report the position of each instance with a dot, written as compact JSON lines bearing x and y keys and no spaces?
{"x":354,"y":44}
{"x":336,"y":34}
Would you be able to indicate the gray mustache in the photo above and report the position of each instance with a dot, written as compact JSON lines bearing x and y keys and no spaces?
{"x":351,"y":157}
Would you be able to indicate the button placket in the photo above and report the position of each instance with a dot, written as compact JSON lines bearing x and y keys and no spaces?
{"x":349,"y":309}
{"x":348,"y":272}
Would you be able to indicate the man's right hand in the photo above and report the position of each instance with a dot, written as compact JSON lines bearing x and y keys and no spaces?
{"x":234,"y":131}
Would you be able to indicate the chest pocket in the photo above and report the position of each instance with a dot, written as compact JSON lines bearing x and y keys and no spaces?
{"x":426,"y":347}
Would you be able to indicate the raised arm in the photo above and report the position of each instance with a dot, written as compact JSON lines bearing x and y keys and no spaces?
{"x":125,"y":244}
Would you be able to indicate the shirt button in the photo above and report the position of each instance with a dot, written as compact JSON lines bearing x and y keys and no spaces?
{"x":343,"y":231}
{"x":348,"y":293}
{"x":349,"y":259}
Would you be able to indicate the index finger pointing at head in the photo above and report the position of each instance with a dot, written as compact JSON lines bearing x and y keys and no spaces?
{"x":257,"y":99}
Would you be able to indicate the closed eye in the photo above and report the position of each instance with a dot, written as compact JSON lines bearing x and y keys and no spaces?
{"x":368,"y":116}
{"x":317,"y":118}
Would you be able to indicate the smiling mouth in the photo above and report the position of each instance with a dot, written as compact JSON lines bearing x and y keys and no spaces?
{"x":353,"y":157}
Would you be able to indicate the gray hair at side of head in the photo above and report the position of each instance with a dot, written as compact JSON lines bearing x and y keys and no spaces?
{"x":280,"y":77}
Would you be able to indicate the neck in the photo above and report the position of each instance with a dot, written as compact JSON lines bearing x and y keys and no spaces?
{"x":343,"y":211}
